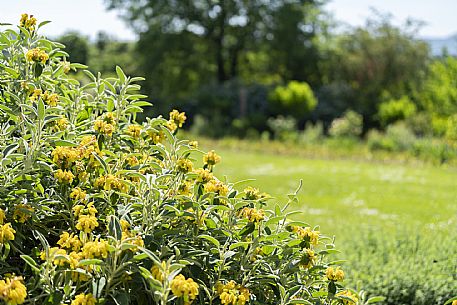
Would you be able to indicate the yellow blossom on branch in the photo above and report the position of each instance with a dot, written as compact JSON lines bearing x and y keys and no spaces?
{"x":185,"y":288}
{"x":6,"y":233}
{"x":84,"y":299}
{"x":334,"y":274}
{"x":13,"y":291}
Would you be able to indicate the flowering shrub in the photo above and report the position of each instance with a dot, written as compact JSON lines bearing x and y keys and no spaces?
{"x":96,"y":208}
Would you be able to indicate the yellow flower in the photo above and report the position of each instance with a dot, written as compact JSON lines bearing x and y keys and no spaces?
{"x":51,"y":99}
{"x":22,"y":212}
{"x":334,"y":274}
{"x":159,"y":272}
{"x":204,"y":175}
{"x":13,"y":291}
{"x":78,"y":194}
{"x":184,"y":165}
{"x":2,"y":216}
{"x":95,"y":249}
{"x":6,"y":233}
{"x":134,"y":131}
{"x":156,"y":136}
{"x":193,"y":144}
{"x":253,"y":215}
{"x":64,"y":156}
{"x":132,"y":161}
{"x":171,"y":125}
{"x":216,"y":186}
{"x":232,"y":294}
{"x":69,"y":241}
{"x":211,"y":158}
{"x":87,"y":223}
{"x":36,"y":94}
{"x":251,"y":193}
{"x":62,"y":124}
{"x":87,"y":146}
{"x":84,"y":299}
{"x":353,"y":297}
{"x":307,"y":233}
{"x":64,"y":176}
{"x":28,"y":23}
{"x":37,"y":55}
{"x":186,"y":288}
{"x":178,"y":118}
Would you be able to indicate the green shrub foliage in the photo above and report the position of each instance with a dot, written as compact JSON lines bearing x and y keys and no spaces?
{"x":296,"y":99}
{"x":349,"y":125}
{"x":396,"y":110}
{"x":96,"y":208}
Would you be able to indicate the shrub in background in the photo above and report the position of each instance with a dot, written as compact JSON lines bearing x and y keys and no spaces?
{"x":283,"y":128}
{"x":349,"y":125}
{"x":96,"y":208}
{"x":396,"y":110}
{"x":295,"y":99}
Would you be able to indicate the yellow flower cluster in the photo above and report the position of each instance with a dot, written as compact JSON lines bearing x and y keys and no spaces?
{"x":28,"y":22}
{"x":251,"y":193}
{"x":184,"y":165}
{"x":6,"y":233}
{"x":87,"y":221}
{"x":211,"y":158}
{"x":203,"y":175}
{"x":308,"y":259}
{"x":78,"y":194}
{"x":252,"y":214}
{"x":13,"y":291}
{"x":50,"y":98}
{"x":232,"y":294}
{"x":334,"y":274}
{"x":22,"y":212}
{"x":193,"y":144}
{"x":176,"y":120}
{"x":307,"y":233}
{"x":84,"y":299}
{"x":156,"y":136}
{"x":186,"y":288}
{"x":69,"y":241}
{"x":111,"y":182}
{"x":62,"y":124}
{"x":64,"y":176}
{"x":257,"y":252}
{"x":64,"y":156}
{"x":106,"y":124}
{"x":95,"y":249}
{"x":37,"y":55}
{"x":216,"y":186}
{"x":158,"y":273}
{"x":353,"y":297}
{"x":134,"y":131}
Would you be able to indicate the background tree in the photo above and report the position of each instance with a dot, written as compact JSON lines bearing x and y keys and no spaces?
{"x":379,"y":58}
{"x":77,"y":45}
{"x":191,"y":43}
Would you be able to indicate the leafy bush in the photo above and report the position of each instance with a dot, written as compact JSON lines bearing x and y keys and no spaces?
{"x":313,"y":133}
{"x":98,"y":209}
{"x":387,"y":263}
{"x":349,"y":125}
{"x":295,"y":99}
{"x":396,"y":110}
{"x":283,"y":128}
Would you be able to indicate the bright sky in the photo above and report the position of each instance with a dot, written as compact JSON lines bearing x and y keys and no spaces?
{"x":89,"y":16}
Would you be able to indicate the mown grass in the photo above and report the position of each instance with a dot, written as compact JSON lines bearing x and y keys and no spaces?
{"x":395,"y":223}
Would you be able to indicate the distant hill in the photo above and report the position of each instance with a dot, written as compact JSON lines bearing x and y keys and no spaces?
{"x":438,"y":44}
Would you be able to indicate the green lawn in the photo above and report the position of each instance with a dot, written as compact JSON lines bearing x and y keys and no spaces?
{"x":395,"y":223}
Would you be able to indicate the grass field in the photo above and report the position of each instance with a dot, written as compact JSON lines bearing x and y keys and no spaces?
{"x":395,"y":223}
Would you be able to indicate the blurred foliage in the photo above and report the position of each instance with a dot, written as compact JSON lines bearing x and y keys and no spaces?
{"x":349,"y":125}
{"x":295,"y":99}
{"x":396,"y":110}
